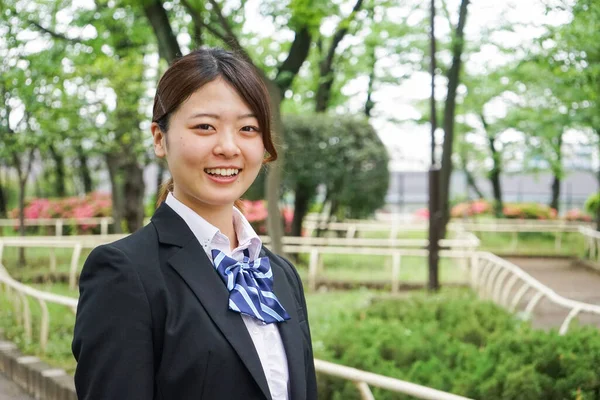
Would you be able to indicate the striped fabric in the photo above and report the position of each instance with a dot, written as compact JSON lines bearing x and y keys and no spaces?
{"x":250,"y":285}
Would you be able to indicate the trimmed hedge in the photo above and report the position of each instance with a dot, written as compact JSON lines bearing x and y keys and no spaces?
{"x":456,"y":343}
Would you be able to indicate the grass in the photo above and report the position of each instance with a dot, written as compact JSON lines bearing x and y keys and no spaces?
{"x":58,"y":351}
{"x":364,"y":268}
{"x":532,"y":243}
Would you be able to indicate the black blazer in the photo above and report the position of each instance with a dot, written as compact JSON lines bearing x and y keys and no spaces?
{"x":153,"y":323}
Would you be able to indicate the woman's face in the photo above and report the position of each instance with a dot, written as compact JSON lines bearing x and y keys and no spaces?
{"x":214,"y":147}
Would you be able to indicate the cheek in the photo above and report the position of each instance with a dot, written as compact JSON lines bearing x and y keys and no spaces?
{"x":256,"y":153}
{"x":188,"y":152}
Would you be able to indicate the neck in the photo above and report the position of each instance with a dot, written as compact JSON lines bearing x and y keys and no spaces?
{"x":219,"y":216}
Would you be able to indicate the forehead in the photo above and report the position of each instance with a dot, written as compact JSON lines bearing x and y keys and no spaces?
{"x":216,"y":97}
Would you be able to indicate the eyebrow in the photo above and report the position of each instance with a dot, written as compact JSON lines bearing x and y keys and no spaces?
{"x":216,"y":116}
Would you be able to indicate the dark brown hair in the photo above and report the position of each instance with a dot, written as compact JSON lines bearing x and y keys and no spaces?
{"x":189,"y":73}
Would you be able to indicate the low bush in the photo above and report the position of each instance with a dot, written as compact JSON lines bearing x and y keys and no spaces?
{"x":592,"y":204}
{"x":256,"y":213}
{"x":456,"y":343}
{"x":92,"y":205}
{"x":471,"y":208}
{"x":577,"y":215}
{"x":528,"y":211}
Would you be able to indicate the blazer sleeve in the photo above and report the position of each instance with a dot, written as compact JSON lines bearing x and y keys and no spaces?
{"x":112,"y":339}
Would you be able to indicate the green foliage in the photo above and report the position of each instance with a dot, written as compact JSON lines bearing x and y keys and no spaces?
{"x":592,"y":204}
{"x":344,"y":154}
{"x":456,"y":343}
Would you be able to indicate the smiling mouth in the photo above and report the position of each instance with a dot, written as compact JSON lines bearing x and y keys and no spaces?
{"x":224,"y":172}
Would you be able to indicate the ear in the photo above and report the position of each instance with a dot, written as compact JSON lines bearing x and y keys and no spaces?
{"x":159,"y":139}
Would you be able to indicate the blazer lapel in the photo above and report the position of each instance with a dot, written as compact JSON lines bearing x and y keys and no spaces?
{"x":195,"y":268}
{"x":290,"y":331}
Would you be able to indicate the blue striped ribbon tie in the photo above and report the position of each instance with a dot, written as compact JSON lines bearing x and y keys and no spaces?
{"x":250,"y":286}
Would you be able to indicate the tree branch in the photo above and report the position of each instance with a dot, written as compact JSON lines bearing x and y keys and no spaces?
{"x":326,"y":66}
{"x":54,"y":34}
{"x":196,"y":16}
{"x":296,"y":57}
{"x":168,"y":47}
{"x":230,"y":37}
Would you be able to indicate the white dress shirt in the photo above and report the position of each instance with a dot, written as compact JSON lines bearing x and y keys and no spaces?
{"x":266,"y":337}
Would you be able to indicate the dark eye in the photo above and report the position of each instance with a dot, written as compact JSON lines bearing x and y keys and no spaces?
{"x":250,"y":128}
{"x":203,"y":127}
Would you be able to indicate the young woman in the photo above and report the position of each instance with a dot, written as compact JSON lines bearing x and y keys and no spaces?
{"x":192,"y":306}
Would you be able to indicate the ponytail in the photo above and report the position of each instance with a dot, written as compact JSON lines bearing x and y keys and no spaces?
{"x":163,"y":192}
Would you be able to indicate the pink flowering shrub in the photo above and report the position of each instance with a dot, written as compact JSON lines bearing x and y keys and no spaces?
{"x":422,"y":213}
{"x":256,"y":213}
{"x":529,"y":211}
{"x":468,"y":209}
{"x":577,"y":215}
{"x":90,"y":206}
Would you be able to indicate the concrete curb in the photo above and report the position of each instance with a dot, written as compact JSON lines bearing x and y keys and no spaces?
{"x":35,"y":377}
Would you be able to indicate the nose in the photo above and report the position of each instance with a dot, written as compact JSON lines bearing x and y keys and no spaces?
{"x":227,"y":144}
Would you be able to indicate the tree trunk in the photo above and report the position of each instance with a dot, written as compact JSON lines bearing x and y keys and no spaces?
{"x":473,"y":184}
{"x":273,"y":184}
{"x":22,"y":187}
{"x":112,"y":162}
{"x":22,"y":176}
{"x":558,"y":172}
{"x":133,"y":189}
{"x":494,"y":174}
{"x":449,"y":113}
{"x":59,"y":162}
{"x":3,"y":201}
{"x":303,"y":195}
{"x":555,"y":193}
{"x":598,"y":209}
{"x":497,"y":190}
{"x":369,"y":104}
{"x":84,"y":170}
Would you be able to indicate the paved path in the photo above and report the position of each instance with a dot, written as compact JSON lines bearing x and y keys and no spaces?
{"x":567,"y":279}
{"x":10,"y":391}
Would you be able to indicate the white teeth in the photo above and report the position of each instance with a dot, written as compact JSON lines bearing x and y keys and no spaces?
{"x":223,"y":171}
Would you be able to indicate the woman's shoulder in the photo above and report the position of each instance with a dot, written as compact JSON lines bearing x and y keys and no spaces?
{"x":131,"y":249}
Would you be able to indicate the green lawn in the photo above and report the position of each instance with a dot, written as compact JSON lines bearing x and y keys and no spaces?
{"x":363,"y":268}
{"x":534,"y":243}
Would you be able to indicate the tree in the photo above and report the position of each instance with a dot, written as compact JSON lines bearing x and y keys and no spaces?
{"x":25,"y":96}
{"x":342,"y":155}
{"x":575,"y":53}
{"x":449,"y":113}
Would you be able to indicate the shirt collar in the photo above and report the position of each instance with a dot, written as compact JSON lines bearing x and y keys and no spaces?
{"x":206,"y":233}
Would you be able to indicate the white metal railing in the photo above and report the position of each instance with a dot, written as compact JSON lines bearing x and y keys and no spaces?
{"x":59,"y":223}
{"x":462,"y":247}
{"x":592,"y":243}
{"x":52,"y":245}
{"x":23,"y":309}
{"x":516,"y":226}
{"x":497,"y":279}
{"x":363,"y":379}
